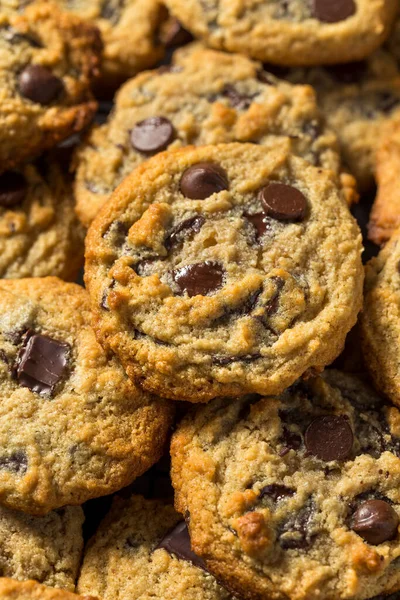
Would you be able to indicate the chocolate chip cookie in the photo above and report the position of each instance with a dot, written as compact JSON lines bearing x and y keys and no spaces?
{"x":31,"y":590}
{"x":48,"y":60}
{"x":206,"y":97}
{"x":142,"y":551}
{"x":290,"y":33}
{"x":380,"y":321}
{"x":72,"y":426}
{"x":297,"y":496}
{"x":47,"y":549}
{"x":39,"y":232}
{"x":224,"y":269}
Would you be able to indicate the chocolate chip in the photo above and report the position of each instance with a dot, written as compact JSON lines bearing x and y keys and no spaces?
{"x":260,"y":221}
{"x":283,"y":202}
{"x":183,"y":230}
{"x":152,"y":135}
{"x":290,"y":441}
{"x":330,"y":438}
{"x":16,"y":462}
{"x":227,"y":360}
{"x":375,"y":521}
{"x":237,"y":100}
{"x":332,"y":11}
{"x":276,"y":492}
{"x":41,"y":363}
{"x":199,"y":279}
{"x":177,"y":542}
{"x":13,"y":188}
{"x":38,"y":84}
{"x":174,"y":34}
{"x":296,"y":532}
{"x":203,"y":180}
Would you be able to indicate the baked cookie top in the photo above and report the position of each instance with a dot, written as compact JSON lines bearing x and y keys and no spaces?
{"x":290,"y":33}
{"x":223,"y":270}
{"x":31,"y":590}
{"x":295,"y":496}
{"x":206,"y":97}
{"x":142,"y":551}
{"x":47,"y":549}
{"x":48,"y":60}
{"x":69,"y":413}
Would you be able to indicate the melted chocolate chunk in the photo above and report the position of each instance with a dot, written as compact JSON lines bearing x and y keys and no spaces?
{"x":227,"y":360}
{"x":183,"y":231}
{"x":276,"y":492}
{"x":38,"y":84}
{"x":290,"y":441}
{"x":177,"y":542}
{"x":283,"y":202}
{"x":330,"y":438}
{"x":41,"y":363}
{"x":202,"y":180}
{"x":375,"y":521}
{"x":175,"y":34}
{"x":152,"y":135}
{"x":261,"y":223}
{"x":13,"y":189}
{"x":199,"y":279}
{"x":296,"y":532}
{"x":237,"y":100}
{"x":14,"y":37}
{"x":333,"y":11}
{"x":17,"y":462}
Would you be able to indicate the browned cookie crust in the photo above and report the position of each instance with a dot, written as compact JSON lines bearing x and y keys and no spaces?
{"x":47,"y":62}
{"x":31,"y":590}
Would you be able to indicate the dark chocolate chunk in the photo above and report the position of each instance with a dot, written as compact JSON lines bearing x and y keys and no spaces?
{"x":375,"y":521}
{"x":260,"y":221}
{"x":237,"y":100}
{"x":152,"y":135}
{"x":199,"y":279}
{"x":203,"y":180}
{"x":174,"y":34}
{"x":333,"y":11}
{"x":38,"y":84}
{"x":41,"y":363}
{"x":290,"y":441}
{"x":177,"y":542}
{"x":276,"y":492}
{"x":283,"y":202}
{"x":296,"y":532}
{"x":17,"y":462}
{"x":183,"y":230}
{"x":330,"y":438}
{"x":227,"y":360}
{"x":13,"y":189}
{"x":15,"y":37}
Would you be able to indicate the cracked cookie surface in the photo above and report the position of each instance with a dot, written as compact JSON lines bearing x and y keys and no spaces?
{"x":56,"y":380}
{"x":142,"y":551}
{"x":222,"y":270}
{"x":297,"y":496}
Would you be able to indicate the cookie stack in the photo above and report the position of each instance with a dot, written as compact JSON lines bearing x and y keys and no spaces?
{"x":215,"y":417}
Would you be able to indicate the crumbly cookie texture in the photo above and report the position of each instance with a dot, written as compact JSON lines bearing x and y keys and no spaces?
{"x":141,"y":551}
{"x":223,"y":270}
{"x":72,"y":426}
{"x":39,"y":232}
{"x":206,"y":97}
{"x":31,"y":590}
{"x":48,"y":60}
{"x":290,"y":33}
{"x":297,"y":496}
{"x":47,"y":549}
{"x":385,"y":213}
{"x":380,"y":319}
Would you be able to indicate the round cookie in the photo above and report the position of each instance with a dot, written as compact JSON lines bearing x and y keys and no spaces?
{"x":206,"y":97}
{"x":141,"y":551}
{"x":39,"y":232}
{"x":47,"y":549}
{"x":290,"y":33}
{"x":72,"y":426}
{"x":48,"y":60}
{"x":222,"y":270}
{"x":380,"y":319}
{"x":294,"y":497}
{"x":31,"y":590}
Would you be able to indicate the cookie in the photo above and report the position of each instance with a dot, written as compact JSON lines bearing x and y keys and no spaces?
{"x":141,"y":551}
{"x":206,"y":97}
{"x":47,"y":549}
{"x":380,"y":320}
{"x":385,"y":213}
{"x":39,"y":232}
{"x":290,"y":33}
{"x":48,"y":60}
{"x":294,"y":497}
{"x":222,"y":270}
{"x":31,"y":590}
{"x":72,"y":425}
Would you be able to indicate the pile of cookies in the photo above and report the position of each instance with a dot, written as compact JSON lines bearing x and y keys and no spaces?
{"x":198,"y":398}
